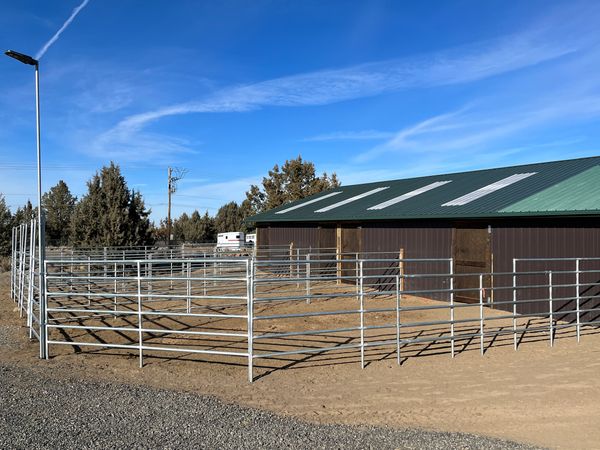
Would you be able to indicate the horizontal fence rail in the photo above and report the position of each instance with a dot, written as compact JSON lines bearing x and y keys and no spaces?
{"x":284,"y":307}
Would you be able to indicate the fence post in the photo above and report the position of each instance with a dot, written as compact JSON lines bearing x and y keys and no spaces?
{"x":31,"y":300}
{"x":401,"y":268}
{"x":452,"y":307}
{"x":481,"y":313}
{"x":171,"y":283}
{"x":12,"y":261}
{"x":308,"y":279}
{"x":577,"y":299}
{"x":89,"y":282}
{"x":123,"y":282}
{"x":297,"y":268}
{"x":362,"y":316}
{"x":149,"y":273}
{"x":189,"y":287}
{"x":291,"y":252}
{"x":31,"y":280}
{"x":250,"y":311}
{"x":514,"y":302}
{"x":551,"y":311}
{"x":43,"y":297}
{"x":105,"y":268}
{"x":398,"y":319}
{"x":204,"y":273}
{"x":139,"y":300}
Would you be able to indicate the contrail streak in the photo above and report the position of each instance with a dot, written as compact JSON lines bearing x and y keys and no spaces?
{"x":58,"y":33}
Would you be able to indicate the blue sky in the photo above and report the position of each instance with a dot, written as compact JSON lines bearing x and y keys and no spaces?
{"x":370,"y":90}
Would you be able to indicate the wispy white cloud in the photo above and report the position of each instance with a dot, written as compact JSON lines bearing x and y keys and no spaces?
{"x":459,"y":65}
{"x":485,"y":128}
{"x":363,"y":135}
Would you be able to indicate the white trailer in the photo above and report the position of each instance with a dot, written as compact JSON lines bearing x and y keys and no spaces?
{"x":232,"y":240}
{"x":251,"y":239}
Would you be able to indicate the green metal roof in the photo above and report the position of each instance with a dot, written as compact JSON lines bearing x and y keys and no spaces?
{"x":558,"y":188}
{"x":578,"y":193}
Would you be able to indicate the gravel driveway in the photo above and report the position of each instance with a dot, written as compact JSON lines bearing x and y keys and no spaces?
{"x":39,"y":412}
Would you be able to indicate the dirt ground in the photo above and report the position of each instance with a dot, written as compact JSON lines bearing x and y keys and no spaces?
{"x":540,"y":395}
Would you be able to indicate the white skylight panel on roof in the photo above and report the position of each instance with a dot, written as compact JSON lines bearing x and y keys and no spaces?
{"x":352,"y":199}
{"x":314,"y":200}
{"x":481,"y":192}
{"x":408,"y":195}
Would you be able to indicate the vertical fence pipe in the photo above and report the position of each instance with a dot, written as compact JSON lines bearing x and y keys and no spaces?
{"x":204,"y":273}
{"x":171,"y":273}
{"x":31,"y":274}
{"x":514,"y":302}
{"x":362,"y":316}
{"x":139,"y":305}
{"x":551,"y":309}
{"x":123,"y":282}
{"x":12,"y":263}
{"x":481,"y":314}
{"x":297,"y":268}
{"x":307,"y":265}
{"x":452,"y":307}
{"x":577,"y":301}
{"x":398,"y":319}
{"x":189,"y":288}
{"x":43,"y":298}
{"x":89,"y":282}
{"x":31,"y":300}
{"x":250,"y":314}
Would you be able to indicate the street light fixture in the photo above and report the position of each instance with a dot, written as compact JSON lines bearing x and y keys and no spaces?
{"x":25,"y":59}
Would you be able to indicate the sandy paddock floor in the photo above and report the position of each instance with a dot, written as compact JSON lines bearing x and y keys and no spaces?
{"x":546,"y":396}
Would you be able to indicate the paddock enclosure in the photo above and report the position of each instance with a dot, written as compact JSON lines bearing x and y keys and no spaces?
{"x":278,"y":307}
{"x":386,"y":270}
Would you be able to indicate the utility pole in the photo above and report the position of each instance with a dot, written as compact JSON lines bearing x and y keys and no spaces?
{"x":170,"y":171}
{"x":179,"y":174}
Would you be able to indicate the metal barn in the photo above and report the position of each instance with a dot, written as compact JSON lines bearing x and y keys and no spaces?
{"x":482,"y":219}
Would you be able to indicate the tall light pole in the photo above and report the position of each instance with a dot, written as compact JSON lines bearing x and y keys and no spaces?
{"x":25,"y":59}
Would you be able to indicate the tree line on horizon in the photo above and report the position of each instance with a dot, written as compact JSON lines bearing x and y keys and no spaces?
{"x":110,"y":214}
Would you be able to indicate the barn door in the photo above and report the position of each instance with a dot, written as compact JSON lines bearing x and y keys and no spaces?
{"x":349,"y":247}
{"x":471,"y":252}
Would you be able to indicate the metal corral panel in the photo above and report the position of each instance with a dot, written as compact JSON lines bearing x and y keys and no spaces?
{"x":577,"y":238}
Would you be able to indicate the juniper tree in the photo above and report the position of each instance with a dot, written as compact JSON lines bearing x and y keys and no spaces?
{"x":110,"y":214}
{"x":6,"y":223}
{"x":229,"y":218}
{"x":24,"y":214}
{"x":295,"y":180}
{"x":58,"y":204}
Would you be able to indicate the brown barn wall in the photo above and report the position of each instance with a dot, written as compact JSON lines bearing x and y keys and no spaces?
{"x":547,"y":239}
{"x":525,"y":238}
{"x":419,"y":240}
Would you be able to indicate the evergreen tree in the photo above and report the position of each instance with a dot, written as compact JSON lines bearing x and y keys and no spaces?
{"x":229,"y":218}
{"x":109,"y":214}
{"x":208,"y":231}
{"x":25,"y":214}
{"x":295,"y":180}
{"x":140,"y":228}
{"x":6,"y":224}
{"x":86,"y":229}
{"x":180,"y":228}
{"x":58,"y":206}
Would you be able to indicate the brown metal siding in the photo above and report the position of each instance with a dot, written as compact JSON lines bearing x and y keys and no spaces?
{"x":419,"y":240}
{"x":548,"y":239}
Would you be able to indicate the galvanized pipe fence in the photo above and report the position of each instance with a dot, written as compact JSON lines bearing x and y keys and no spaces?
{"x":313,"y":307}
